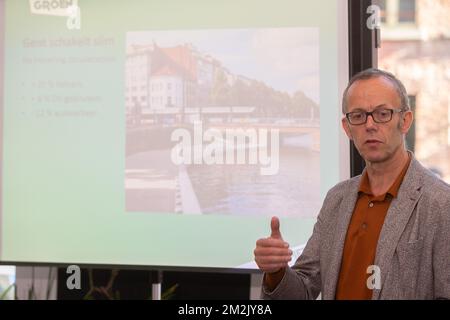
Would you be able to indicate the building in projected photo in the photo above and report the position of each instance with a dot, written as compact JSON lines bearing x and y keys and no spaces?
{"x":174,"y":80}
{"x":180,"y":84}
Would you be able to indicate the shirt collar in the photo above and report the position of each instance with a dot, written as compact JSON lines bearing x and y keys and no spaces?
{"x":364,"y":185}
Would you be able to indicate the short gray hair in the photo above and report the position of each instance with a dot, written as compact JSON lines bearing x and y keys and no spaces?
{"x":376,"y":73}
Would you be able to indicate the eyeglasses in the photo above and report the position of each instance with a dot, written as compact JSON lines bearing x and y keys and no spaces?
{"x":378,"y":115}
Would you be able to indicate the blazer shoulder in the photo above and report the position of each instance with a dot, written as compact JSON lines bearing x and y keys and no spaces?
{"x":337,"y":194}
{"x":434,"y":187}
{"x":435,"y":196}
{"x":343,"y":187}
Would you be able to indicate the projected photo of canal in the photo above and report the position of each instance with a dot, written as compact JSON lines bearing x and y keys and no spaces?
{"x":223,"y":122}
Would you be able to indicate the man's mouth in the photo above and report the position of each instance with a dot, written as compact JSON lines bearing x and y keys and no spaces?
{"x":372,"y":142}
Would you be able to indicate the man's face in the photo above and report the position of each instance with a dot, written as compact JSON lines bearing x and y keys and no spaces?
{"x":376,"y":142}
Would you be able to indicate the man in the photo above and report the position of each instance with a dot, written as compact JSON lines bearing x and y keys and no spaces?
{"x":382,"y":235}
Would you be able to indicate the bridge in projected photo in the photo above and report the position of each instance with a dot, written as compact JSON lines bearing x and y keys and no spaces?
{"x":294,"y":133}
{"x":157,"y":125}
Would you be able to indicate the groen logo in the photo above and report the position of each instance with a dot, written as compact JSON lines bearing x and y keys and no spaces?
{"x":59,"y":8}
{"x":52,"y":7}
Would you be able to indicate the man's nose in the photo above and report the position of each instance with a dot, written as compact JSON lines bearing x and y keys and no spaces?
{"x":370,"y":123}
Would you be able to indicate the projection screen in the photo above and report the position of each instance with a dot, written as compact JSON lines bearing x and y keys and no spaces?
{"x":167,"y":132}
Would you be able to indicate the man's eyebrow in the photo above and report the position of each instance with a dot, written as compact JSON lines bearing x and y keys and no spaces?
{"x":358,"y":109}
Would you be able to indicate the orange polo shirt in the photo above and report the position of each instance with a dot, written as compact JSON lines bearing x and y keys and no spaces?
{"x":362,"y":238}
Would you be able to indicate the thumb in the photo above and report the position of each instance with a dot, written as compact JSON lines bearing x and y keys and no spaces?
{"x":275,"y":227}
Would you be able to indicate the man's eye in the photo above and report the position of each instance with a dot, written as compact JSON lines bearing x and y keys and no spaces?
{"x":383,"y":113}
{"x":357,"y":116}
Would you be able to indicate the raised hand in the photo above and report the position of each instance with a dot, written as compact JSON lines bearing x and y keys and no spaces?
{"x":272,"y":253}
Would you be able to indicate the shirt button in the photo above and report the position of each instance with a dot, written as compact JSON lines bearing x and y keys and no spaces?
{"x":364,"y":225}
{"x":371,"y":204}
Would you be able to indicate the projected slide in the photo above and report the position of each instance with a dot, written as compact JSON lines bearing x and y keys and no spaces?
{"x":164,"y":133}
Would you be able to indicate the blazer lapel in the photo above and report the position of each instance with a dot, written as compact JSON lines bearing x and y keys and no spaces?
{"x":397,"y":217}
{"x":344,"y":217}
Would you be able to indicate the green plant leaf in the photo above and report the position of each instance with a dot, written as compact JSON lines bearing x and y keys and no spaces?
{"x":169,"y":293}
{"x":5,"y":293}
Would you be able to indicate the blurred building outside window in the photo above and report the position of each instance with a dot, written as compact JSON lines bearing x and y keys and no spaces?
{"x":415,"y":47}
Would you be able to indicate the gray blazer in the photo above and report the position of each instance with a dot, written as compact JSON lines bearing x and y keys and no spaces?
{"x":413,"y":250}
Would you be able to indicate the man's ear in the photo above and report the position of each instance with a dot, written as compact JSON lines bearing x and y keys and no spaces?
{"x":406,"y":121}
{"x":346,"y":128}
